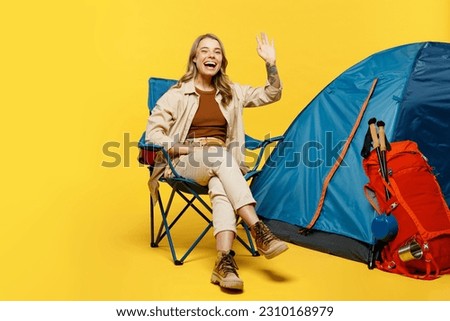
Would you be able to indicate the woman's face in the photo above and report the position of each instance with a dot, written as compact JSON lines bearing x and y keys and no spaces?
{"x":208,"y":58}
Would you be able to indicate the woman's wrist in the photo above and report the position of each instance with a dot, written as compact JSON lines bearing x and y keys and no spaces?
{"x":179,"y":149}
{"x":272,"y":74}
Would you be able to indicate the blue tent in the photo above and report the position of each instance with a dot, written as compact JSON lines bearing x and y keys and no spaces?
{"x":302,"y":185}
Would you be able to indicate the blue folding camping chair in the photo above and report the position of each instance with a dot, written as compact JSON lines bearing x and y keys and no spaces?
{"x":190,"y":191}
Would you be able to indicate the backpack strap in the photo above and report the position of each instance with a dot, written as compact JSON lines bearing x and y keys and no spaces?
{"x":430,"y":261}
{"x":428,"y":257}
{"x":393,"y":189}
{"x":340,"y":158}
{"x":372,"y":198}
{"x":389,"y":266}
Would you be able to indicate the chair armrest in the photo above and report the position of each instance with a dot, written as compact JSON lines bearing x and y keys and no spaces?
{"x":250,"y":174}
{"x":253,"y":144}
{"x":273,"y":139}
{"x":153,"y":148}
{"x":250,"y":143}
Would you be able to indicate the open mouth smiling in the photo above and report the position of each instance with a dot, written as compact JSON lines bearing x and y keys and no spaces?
{"x":210,"y":64}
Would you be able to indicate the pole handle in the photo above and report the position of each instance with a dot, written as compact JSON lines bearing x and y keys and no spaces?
{"x":382,"y":135}
{"x":373,"y":133}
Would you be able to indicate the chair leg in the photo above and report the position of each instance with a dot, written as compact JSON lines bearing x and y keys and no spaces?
{"x":164,"y":213}
{"x":190,"y":203}
{"x":152,"y":224}
{"x":248,"y":245}
{"x":199,"y":238}
{"x":166,"y":226}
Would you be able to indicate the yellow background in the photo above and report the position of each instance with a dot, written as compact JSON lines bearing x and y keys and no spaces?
{"x":74,"y":78}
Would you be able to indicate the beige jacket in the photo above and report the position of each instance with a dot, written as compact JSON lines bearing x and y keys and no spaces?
{"x":172,"y":116}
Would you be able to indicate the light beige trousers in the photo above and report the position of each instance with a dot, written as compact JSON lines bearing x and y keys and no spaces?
{"x":215,"y":167}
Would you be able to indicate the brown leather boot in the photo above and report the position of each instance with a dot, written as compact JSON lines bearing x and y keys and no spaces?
{"x":267,"y":243}
{"x":225,"y":272}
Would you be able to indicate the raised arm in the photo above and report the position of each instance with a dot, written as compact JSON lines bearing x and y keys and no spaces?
{"x":266,"y":50}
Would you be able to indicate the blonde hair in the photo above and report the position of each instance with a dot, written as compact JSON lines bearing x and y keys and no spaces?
{"x":220,"y":81}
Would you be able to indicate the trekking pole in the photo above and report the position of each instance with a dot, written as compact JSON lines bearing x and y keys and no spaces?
{"x":384,"y":172}
{"x":376,"y":145}
{"x":375,"y":141}
{"x":376,"y":247}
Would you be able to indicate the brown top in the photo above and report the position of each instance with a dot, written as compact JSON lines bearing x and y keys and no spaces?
{"x":208,"y":120}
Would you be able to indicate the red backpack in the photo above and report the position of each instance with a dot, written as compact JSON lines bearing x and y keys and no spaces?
{"x":421,"y":246}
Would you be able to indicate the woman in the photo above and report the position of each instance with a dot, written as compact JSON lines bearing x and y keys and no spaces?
{"x":199,"y":122}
